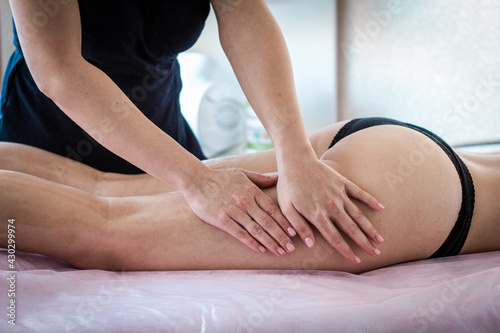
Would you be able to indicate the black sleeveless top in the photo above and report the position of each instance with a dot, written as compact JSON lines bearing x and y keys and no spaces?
{"x":135,"y":42}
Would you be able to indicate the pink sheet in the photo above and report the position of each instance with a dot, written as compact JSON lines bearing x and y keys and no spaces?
{"x":458,"y":294}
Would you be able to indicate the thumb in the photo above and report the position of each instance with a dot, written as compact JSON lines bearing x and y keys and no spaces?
{"x":260,"y":179}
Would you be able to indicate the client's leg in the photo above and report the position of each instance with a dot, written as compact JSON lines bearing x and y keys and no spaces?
{"x":61,"y":170}
{"x":160,"y":232}
{"x":420,"y":186}
{"x":43,"y":164}
{"x":49,"y":166}
{"x":52,"y":219}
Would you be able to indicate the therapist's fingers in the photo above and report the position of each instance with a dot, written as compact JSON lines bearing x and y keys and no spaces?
{"x":272,"y":209}
{"x":265,"y":231}
{"x":229,"y":200}
{"x":233,"y":228}
{"x":334,"y":238}
{"x":364,"y":224}
{"x":355,"y":225}
{"x":300,"y":225}
{"x":273,"y":221}
{"x":267,"y":213}
{"x":354,"y":191}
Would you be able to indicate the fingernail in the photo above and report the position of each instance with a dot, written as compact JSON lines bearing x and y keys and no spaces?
{"x":381,"y":206}
{"x":262,"y":249}
{"x":309,"y":242}
{"x":376,"y":251}
{"x":291,"y":232}
{"x":380,"y":239}
{"x":357,"y":260}
{"x":281,"y":251}
{"x":290,"y":247}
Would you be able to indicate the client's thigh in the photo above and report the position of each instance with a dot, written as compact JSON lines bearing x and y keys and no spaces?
{"x":403,"y":169}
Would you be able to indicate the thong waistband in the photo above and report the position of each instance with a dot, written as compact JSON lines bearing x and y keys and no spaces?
{"x":456,"y":239}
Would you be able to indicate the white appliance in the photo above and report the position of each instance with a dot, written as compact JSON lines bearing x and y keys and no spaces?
{"x":214,"y":108}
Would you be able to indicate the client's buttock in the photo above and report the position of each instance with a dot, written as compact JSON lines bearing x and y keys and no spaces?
{"x":412,"y":177}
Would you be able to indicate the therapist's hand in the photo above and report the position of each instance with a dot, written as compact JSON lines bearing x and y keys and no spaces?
{"x":309,"y":190}
{"x":231,"y":200}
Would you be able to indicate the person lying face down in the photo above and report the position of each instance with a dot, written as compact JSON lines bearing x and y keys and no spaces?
{"x":100,"y":82}
{"x":439,"y":202}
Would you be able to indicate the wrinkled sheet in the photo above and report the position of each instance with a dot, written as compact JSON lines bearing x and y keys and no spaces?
{"x":458,"y":294}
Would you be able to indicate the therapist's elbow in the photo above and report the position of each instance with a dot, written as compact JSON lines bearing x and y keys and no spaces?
{"x":50,"y":84}
{"x":51,"y":77}
{"x":44,"y":84}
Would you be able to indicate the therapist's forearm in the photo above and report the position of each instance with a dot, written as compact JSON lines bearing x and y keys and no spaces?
{"x":92,"y":100}
{"x":259,"y":56}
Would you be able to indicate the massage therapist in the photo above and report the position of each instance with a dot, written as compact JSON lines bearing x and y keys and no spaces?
{"x":99,"y":81}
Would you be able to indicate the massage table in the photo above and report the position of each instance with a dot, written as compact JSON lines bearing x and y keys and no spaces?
{"x":454,"y":294}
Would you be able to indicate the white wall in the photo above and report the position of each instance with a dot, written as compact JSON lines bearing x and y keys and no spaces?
{"x":309,"y":29}
{"x":435,"y":63}
{"x":6,"y":47}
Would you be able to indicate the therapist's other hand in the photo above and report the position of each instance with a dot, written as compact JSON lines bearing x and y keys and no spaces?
{"x":313,"y":191}
{"x":231,"y":200}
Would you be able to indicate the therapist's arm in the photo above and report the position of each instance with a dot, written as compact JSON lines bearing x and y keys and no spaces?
{"x":307,"y":189}
{"x":224,"y":198}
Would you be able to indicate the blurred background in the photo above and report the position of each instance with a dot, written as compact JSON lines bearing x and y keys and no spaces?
{"x":434,"y":63}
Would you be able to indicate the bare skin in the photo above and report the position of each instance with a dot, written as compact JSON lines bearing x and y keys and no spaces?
{"x":161,"y":232}
{"x":257,"y":51}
